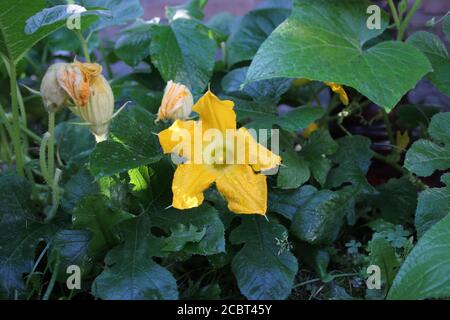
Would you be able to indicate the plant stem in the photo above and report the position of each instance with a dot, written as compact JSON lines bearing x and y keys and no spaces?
{"x":42,"y":160}
{"x":391,"y":163}
{"x":388,"y":127}
{"x":84,"y":45}
{"x":394,"y":14}
{"x":51,"y":285}
{"x":405,"y":23}
{"x":51,"y":146}
{"x":16,"y":136}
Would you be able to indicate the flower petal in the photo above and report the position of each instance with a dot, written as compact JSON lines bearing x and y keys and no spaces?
{"x":179,"y":138}
{"x":188,"y":184}
{"x":245,"y":191}
{"x":215,"y":113}
{"x":336,"y":88}
{"x":258,"y":156}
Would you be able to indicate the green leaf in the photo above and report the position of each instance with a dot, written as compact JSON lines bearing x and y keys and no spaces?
{"x":294,"y":172}
{"x":263,"y":269}
{"x":95,"y":213}
{"x":189,"y":10}
{"x":436,"y":52}
{"x":133,"y":44}
{"x":58,"y":16}
{"x":254,"y":28}
{"x":131,"y":273}
{"x":14,"y":43}
{"x":433,"y":205}
{"x":288,"y":203}
{"x":181,"y":235}
{"x":70,"y":247}
{"x":382,"y":254}
{"x":75,"y":142}
{"x":413,"y":116}
{"x":316,"y":151}
{"x":425,"y":157}
{"x":353,"y":159}
{"x":316,"y":258}
{"x":385,"y":71}
{"x":267,"y":91}
{"x":425,"y":273}
{"x":184,"y":52}
{"x":396,"y":200}
{"x":77,"y":187}
{"x":132,"y":145}
{"x":446,"y":27}
{"x":121,"y":12}
{"x":20,"y":235}
{"x":319,"y":219}
{"x":205,"y":219}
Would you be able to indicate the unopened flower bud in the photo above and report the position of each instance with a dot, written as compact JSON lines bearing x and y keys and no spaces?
{"x":177,"y":102}
{"x":53,"y":95}
{"x":99,"y":109}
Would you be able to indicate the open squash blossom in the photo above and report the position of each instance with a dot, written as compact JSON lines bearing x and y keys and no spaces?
{"x":177,"y":102}
{"x":53,"y":95}
{"x":336,"y":88}
{"x":239,"y":182}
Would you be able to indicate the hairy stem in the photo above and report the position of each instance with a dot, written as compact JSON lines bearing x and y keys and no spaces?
{"x":16,"y":135}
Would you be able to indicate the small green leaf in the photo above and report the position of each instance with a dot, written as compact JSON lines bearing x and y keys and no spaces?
{"x":263,"y":269}
{"x":70,"y":247}
{"x":385,"y":71}
{"x":133,"y":44}
{"x":77,"y":187}
{"x":205,"y":219}
{"x":133,"y":144}
{"x":120,"y":11}
{"x":181,"y":235}
{"x":191,"y":9}
{"x":382,"y":254}
{"x":425,"y":157}
{"x":254,"y":28}
{"x":75,"y":142}
{"x":436,"y":52}
{"x":131,"y":273}
{"x":184,"y":52}
{"x":95,"y":213}
{"x":425,"y":274}
{"x":433,"y":205}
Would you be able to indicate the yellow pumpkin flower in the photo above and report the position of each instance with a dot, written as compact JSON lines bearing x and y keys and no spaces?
{"x":238,"y":180}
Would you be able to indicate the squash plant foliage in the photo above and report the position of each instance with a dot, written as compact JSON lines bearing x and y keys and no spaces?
{"x":363,"y":182}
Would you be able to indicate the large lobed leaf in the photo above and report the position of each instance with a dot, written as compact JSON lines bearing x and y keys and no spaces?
{"x":264,"y":271}
{"x":131,"y":273}
{"x":328,"y":41}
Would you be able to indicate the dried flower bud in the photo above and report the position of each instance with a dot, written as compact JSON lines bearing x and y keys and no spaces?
{"x":99,"y":109}
{"x":177,"y":102}
{"x":53,"y":95}
{"x":76,"y":79}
